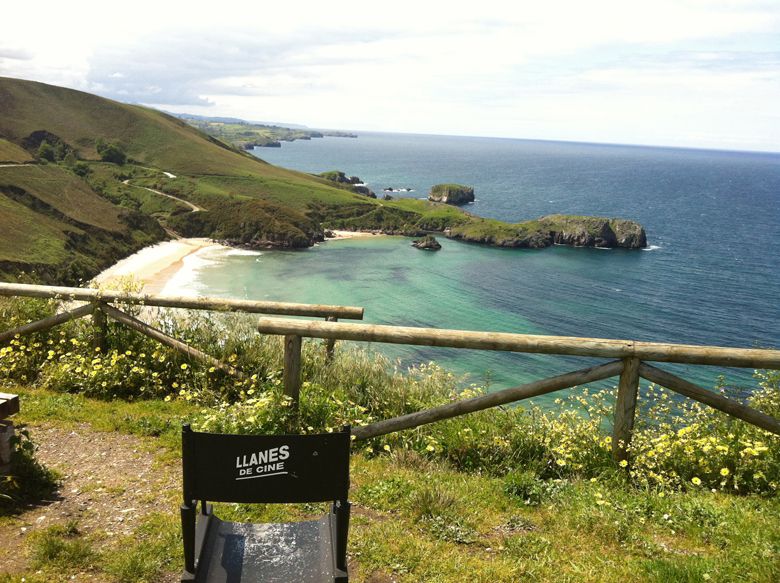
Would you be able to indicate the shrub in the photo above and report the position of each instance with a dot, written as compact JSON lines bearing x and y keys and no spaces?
{"x":111,"y":152}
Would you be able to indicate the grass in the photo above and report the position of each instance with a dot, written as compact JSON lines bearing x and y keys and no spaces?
{"x":55,"y":228}
{"x":28,"y":237}
{"x":64,"y":195}
{"x":417,"y":519}
{"x":12,"y":154}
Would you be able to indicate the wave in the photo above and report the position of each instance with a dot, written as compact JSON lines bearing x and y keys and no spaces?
{"x":651,"y":248}
{"x":243,"y":252}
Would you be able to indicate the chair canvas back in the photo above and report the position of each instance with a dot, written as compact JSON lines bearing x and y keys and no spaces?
{"x":265,"y":468}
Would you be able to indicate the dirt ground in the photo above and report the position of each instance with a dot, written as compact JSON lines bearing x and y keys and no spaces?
{"x":110,"y":482}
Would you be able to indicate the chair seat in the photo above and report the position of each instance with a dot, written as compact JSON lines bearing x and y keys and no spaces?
{"x":298,"y":552}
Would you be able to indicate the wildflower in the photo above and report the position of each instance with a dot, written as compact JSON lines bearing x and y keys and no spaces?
{"x":184,"y":366}
{"x":696,"y":481}
{"x":386,"y":447}
{"x":430,"y":448}
{"x":623,"y":463}
{"x":724,"y":472}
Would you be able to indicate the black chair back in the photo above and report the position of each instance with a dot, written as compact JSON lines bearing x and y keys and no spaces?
{"x":265,"y":468}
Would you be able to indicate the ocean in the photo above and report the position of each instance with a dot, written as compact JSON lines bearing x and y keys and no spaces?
{"x":711,"y":273}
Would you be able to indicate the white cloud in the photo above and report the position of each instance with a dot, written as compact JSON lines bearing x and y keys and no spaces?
{"x":668,"y":71}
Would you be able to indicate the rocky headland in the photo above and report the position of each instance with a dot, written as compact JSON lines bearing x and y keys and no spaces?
{"x":577,"y":231}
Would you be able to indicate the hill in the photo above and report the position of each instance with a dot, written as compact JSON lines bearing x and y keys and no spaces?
{"x":98,"y":152}
{"x":54,"y":227}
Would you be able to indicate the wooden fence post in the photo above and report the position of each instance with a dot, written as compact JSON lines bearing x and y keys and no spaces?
{"x":330,"y":343}
{"x":292,"y":368}
{"x":625,"y":409}
{"x":99,"y":328}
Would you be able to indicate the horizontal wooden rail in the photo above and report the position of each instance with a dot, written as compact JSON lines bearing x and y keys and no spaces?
{"x":46,"y":323}
{"x":714,"y":400}
{"x":527,"y":391}
{"x":565,"y":345}
{"x":217,"y":304}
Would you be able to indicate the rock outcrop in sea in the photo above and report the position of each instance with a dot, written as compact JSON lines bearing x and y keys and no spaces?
{"x":428,"y":243}
{"x":451,"y":194}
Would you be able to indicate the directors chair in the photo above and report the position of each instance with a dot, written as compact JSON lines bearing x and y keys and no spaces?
{"x":265,"y":469}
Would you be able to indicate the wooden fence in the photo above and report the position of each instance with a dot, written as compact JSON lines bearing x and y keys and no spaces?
{"x":629,"y":365}
{"x":99,"y":307}
{"x":629,"y":359}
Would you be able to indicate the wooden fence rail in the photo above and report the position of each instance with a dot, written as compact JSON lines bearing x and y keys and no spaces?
{"x":214,"y":304}
{"x":630,"y":355}
{"x":630,"y":366}
{"x":563,"y":345}
{"x":99,"y":307}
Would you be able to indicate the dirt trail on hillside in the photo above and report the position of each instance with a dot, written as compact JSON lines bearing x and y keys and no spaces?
{"x":195,"y":208}
{"x":111,"y":481}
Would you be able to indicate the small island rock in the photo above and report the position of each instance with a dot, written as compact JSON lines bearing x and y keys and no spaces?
{"x":451,"y":193}
{"x":428,"y":242}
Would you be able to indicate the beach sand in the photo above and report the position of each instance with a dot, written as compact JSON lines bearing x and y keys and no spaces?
{"x":351,"y":235}
{"x":156,"y":266}
{"x":153,"y":266}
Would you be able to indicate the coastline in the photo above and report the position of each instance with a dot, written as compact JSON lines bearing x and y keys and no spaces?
{"x":337,"y":234}
{"x":154,"y":266}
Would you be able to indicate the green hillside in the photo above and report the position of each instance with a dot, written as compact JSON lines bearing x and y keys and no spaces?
{"x":89,"y":160}
{"x":54,"y":227}
{"x":13,"y":154}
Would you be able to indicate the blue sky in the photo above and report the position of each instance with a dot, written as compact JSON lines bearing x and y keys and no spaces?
{"x":680,"y":73}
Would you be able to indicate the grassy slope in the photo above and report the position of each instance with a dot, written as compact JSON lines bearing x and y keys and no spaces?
{"x":54,"y":223}
{"x":13,"y":154}
{"x":24,"y":234}
{"x":149,"y":136}
{"x":65,"y":193}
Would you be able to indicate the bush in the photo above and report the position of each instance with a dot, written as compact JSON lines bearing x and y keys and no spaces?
{"x":111,"y":152}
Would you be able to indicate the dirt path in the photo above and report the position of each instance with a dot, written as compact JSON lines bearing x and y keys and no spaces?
{"x":195,"y":208}
{"x":111,"y":481}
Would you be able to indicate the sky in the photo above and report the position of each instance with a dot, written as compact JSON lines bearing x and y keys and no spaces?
{"x":703,"y":73}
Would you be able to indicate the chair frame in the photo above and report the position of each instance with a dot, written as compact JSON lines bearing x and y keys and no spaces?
{"x":196,"y":525}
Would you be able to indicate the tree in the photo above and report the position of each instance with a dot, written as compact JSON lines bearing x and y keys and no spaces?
{"x":111,"y":152}
{"x":46,"y":151}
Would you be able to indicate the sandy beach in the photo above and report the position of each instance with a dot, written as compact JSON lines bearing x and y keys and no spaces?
{"x":351,"y":235}
{"x":156,"y":267}
{"x":153,"y":266}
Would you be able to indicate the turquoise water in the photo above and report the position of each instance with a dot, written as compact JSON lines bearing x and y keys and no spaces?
{"x":711,"y":275}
